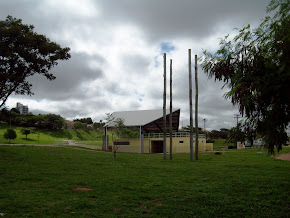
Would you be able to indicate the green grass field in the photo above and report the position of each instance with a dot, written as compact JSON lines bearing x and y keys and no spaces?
{"x":221,"y":143}
{"x":41,"y":181}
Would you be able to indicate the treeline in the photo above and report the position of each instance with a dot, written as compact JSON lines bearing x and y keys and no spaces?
{"x":223,"y":133}
{"x":219,"y":134}
{"x":84,"y":120}
{"x":46,"y":121}
{"x":41,"y":121}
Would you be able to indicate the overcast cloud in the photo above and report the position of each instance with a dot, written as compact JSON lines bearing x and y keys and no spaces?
{"x":117,"y":54}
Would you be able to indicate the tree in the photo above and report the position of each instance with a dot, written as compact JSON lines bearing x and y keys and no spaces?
{"x":10,"y":134}
{"x":79,"y":125}
{"x":120,"y":127}
{"x":223,"y":133}
{"x":98,"y":125}
{"x":121,"y":130}
{"x":54,"y":121}
{"x":25,"y":132}
{"x":237,"y":134}
{"x":24,"y":53}
{"x":255,"y":66}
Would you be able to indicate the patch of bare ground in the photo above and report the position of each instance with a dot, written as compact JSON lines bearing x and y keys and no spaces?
{"x":157,"y":203}
{"x":282,"y":156}
{"x":145,"y":207}
{"x":82,"y":189}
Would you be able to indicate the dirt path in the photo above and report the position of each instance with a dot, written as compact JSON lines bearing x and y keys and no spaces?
{"x":282,"y":156}
{"x":77,"y":147}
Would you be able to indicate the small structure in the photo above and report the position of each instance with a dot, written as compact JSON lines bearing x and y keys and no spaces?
{"x":150,"y":123}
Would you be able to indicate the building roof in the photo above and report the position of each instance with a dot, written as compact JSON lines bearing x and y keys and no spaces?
{"x":150,"y":120}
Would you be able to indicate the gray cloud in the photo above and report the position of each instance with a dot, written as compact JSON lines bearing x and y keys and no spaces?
{"x":184,"y":18}
{"x":109,"y":73}
{"x":70,"y":75}
{"x":135,"y":64}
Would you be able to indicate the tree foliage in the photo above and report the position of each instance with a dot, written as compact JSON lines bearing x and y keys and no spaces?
{"x":79,"y":125}
{"x":24,"y":53}
{"x":236,"y":134}
{"x":98,"y":125}
{"x":122,"y":130}
{"x":84,"y":120}
{"x":10,"y":134}
{"x":223,"y":133}
{"x":255,"y":66}
{"x":25,"y":132}
{"x":42,"y":121}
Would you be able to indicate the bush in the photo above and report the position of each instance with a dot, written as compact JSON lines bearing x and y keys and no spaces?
{"x":10,"y":134}
{"x":210,"y":141}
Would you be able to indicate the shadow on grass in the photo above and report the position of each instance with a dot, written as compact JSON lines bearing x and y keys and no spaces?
{"x":79,"y":135}
{"x":29,"y":140}
{"x":61,"y":134}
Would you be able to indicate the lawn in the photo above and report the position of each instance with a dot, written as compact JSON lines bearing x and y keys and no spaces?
{"x":221,"y":143}
{"x":44,"y":181}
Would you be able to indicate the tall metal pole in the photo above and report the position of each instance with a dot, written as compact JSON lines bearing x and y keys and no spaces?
{"x":170,"y":118}
{"x":182,"y":122}
{"x":190,"y":105}
{"x":106,"y":138}
{"x":196,"y":110}
{"x":237,"y":116}
{"x":140,"y":139}
{"x":164,"y":110}
{"x":204,"y":120}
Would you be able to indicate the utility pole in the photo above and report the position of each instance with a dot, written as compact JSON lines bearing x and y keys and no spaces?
{"x":196,"y":110}
{"x":190,"y":105}
{"x":181,"y":121}
{"x":164,"y":110}
{"x":204,"y":120}
{"x":170,"y":118}
{"x":237,"y":116}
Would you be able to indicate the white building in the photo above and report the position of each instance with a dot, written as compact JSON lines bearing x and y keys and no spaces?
{"x":23,"y":109}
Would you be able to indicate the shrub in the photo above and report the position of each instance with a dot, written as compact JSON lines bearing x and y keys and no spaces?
{"x":10,"y":134}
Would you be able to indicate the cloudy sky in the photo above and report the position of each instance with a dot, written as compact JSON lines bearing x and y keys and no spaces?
{"x":117,"y":51}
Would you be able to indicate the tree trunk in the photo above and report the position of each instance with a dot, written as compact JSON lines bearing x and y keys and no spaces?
{"x":164,"y":110}
{"x":170,"y":118}
{"x":196,"y":111}
{"x":190,"y":105}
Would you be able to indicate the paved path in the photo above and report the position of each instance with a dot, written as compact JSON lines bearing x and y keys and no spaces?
{"x":30,"y":145}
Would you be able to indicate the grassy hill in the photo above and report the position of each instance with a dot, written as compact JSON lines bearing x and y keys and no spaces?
{"x":39,"y":136}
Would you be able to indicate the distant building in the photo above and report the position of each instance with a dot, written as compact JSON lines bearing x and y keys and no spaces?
{"x":23,"y":109}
